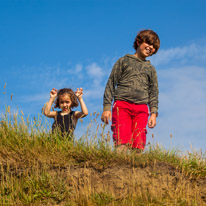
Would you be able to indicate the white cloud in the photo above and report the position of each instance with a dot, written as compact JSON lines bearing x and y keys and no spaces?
{"x":184,"y":54}
{"x":95,"y":71}
{"x":78,"y":68}
{"x":76,"y":73}
{"x":182,"y":96}
{"x":182,"y":106}
{"x":44,"y":97}
{"x":94,"y":93}
{"x":56,"y":77}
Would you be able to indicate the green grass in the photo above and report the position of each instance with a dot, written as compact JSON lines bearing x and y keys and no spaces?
{"x":35,"y":165}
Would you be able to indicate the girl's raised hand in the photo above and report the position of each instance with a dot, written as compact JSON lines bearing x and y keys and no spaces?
{"x":79,"y":93}
{"x":53,"y":93}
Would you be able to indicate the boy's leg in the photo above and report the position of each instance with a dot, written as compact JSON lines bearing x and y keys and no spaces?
{"x":122,"y":148}
{"x":139,"y":124}
{"x":121,"y":123}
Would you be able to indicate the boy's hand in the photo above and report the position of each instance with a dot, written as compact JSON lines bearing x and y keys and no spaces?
{"x":152,"y":121}
{"x":106,"y":116}
{"x":79,"y":93}
{"x":53,"y":93}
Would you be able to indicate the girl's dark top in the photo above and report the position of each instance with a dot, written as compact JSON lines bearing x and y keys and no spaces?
{"x":64,"y":123}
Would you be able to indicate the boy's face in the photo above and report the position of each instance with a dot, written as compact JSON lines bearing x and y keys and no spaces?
{"x":145,"y":50}
{"x":65,"y":103}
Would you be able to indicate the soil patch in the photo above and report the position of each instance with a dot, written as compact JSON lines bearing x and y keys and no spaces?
{"x":159,"y":180}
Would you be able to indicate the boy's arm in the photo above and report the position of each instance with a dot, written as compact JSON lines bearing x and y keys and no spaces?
{"x":153,"y":100}
{"x":152,"y":120}
{"x":110,"y":90}
{"x":111,"y":84}
{"x":84,"y":110}
{"x":153,"y":94}
{"x":47,"y":109}
{"x":106,"y":116}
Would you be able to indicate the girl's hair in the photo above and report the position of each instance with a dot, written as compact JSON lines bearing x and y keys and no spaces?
{"x":149,"y":37}
{"x":72,"y":95}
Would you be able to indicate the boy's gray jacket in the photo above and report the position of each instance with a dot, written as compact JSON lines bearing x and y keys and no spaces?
{"x":132,"y":80}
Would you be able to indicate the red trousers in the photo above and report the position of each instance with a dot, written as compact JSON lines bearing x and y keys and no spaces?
{"x":129,"y":123}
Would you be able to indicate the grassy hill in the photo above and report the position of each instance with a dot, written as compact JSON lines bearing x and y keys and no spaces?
{"x":37,"y":168}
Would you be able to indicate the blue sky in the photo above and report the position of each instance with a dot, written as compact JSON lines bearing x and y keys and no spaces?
{"x":50,"y":43}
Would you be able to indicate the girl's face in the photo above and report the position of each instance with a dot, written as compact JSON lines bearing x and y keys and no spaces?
{"x":65,"y":103}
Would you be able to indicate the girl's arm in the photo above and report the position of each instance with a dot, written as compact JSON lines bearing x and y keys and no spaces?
{"x":47,"y":109}
{"x":84,"y":112}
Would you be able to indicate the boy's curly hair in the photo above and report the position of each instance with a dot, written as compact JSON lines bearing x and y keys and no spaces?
{"x":72,"y":95}
{"x":149,"y":37}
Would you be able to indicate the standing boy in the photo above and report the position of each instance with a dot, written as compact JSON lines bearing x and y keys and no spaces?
{"x":133,"y":85}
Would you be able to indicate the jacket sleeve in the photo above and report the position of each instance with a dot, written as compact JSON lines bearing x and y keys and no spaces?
{"x":153,"y":93}
{"x":111,"y":85}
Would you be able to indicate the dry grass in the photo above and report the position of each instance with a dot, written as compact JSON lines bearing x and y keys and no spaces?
{"x":38,"y":168}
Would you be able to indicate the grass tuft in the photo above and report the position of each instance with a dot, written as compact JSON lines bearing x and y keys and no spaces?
{"x":40,"y":168}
